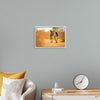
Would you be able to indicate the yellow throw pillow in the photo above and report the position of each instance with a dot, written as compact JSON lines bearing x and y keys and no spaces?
{"x":11,"y":76}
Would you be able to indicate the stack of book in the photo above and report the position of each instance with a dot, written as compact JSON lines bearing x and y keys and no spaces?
{"x":58,"y":90}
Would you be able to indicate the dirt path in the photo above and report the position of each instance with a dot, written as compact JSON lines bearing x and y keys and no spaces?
{"x":47,"y":43}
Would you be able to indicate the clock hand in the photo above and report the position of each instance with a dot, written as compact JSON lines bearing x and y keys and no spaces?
{"x":81,"y":80}
{"x":78,"y":83}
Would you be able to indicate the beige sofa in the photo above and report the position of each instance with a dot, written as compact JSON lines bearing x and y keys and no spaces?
{"x":29,"y":91}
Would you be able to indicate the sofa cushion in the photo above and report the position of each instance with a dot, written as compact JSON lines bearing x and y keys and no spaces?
{"x":12,"y":88}
{"x":11,"y":76}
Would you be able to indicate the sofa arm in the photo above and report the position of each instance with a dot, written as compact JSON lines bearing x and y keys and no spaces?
{"x":29,"y":91}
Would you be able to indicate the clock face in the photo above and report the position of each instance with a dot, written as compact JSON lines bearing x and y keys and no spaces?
{"x":81,"y":81}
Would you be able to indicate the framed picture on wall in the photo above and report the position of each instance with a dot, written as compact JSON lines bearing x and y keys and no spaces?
{"x":50,"y":36}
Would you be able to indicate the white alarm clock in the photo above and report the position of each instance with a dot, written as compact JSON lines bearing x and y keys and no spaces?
{"x":81,"y":81}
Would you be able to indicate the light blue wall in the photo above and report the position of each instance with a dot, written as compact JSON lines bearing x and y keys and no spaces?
{"x":45,"y":66}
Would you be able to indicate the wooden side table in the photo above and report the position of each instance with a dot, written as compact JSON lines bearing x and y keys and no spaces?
{"x":71,"y":94}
